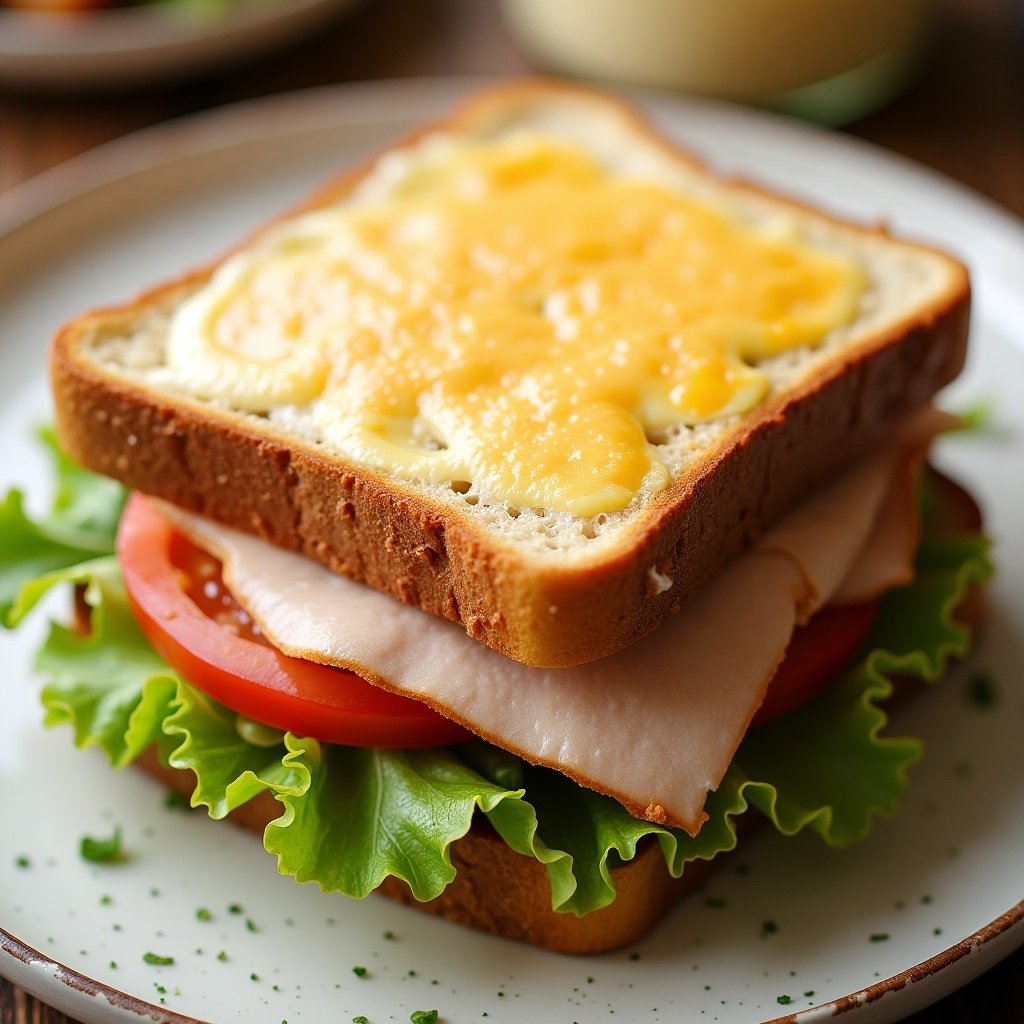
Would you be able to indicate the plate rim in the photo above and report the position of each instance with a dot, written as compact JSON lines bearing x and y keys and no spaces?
{"x":77,"y":987}
{"x":374,"y":103}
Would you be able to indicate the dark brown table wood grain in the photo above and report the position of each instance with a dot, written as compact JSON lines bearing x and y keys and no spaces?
{"x":963,"y":117}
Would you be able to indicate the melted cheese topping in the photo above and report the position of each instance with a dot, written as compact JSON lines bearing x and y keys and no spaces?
{"x":515,"y":316}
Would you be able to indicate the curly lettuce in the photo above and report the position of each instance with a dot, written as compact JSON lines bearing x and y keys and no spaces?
{"x":350,"y":817}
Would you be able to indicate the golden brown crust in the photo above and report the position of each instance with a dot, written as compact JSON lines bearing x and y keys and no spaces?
{"x":504,"y":893}
{"x":400,"y":540}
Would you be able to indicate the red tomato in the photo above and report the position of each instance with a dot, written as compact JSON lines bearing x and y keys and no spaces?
{"x":828,"y":643}
{"x":818,"y":652}
{"x":197,"y":627}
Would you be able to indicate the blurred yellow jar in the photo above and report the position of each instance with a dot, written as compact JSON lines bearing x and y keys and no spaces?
{"x":832,"y":60}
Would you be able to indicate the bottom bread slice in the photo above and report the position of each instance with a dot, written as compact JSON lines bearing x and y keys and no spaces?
{"x":499,"y":891}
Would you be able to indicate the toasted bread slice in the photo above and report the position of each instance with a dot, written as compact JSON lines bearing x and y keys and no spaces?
{"x":544,"y":587}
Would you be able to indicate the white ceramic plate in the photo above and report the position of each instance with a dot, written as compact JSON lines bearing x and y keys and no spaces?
{"x":878,"y":931}
{"x":133,"y":44}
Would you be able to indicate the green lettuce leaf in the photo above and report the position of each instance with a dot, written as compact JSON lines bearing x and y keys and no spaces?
{"x":859,"y":772}
{"x":375,"y":813}
{"x":230,"y":768}
{"x":81,"y":525}
{"x":85,"y":504}
{"x":351,"y":817}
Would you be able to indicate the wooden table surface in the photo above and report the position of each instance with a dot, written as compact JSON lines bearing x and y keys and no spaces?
{"x":963,"y":117}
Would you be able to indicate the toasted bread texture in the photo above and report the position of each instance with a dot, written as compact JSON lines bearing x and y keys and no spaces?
{"x":524,"y":580}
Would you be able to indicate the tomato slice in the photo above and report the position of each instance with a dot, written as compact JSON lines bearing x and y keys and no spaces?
{"x":192,"y":621}
{"x":196,"y":625}
{"x":827,"y":644}
{"x":817,"y":653}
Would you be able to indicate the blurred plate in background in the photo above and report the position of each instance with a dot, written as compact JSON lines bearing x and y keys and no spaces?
{"x":128,"y":45}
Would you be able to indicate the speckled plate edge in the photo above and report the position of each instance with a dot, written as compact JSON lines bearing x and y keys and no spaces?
{"x":916,"y":987}
{"x":78,"y":995}
{"x":73,"y":993}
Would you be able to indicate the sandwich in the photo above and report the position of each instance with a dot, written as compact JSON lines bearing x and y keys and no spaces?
{"x":515,"y":523}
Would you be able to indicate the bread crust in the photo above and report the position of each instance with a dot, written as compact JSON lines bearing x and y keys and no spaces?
{"x":501,"y":892}
{"x":399,"y":539}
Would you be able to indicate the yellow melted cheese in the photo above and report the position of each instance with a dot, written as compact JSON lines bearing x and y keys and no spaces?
{"x":513,"y":317}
